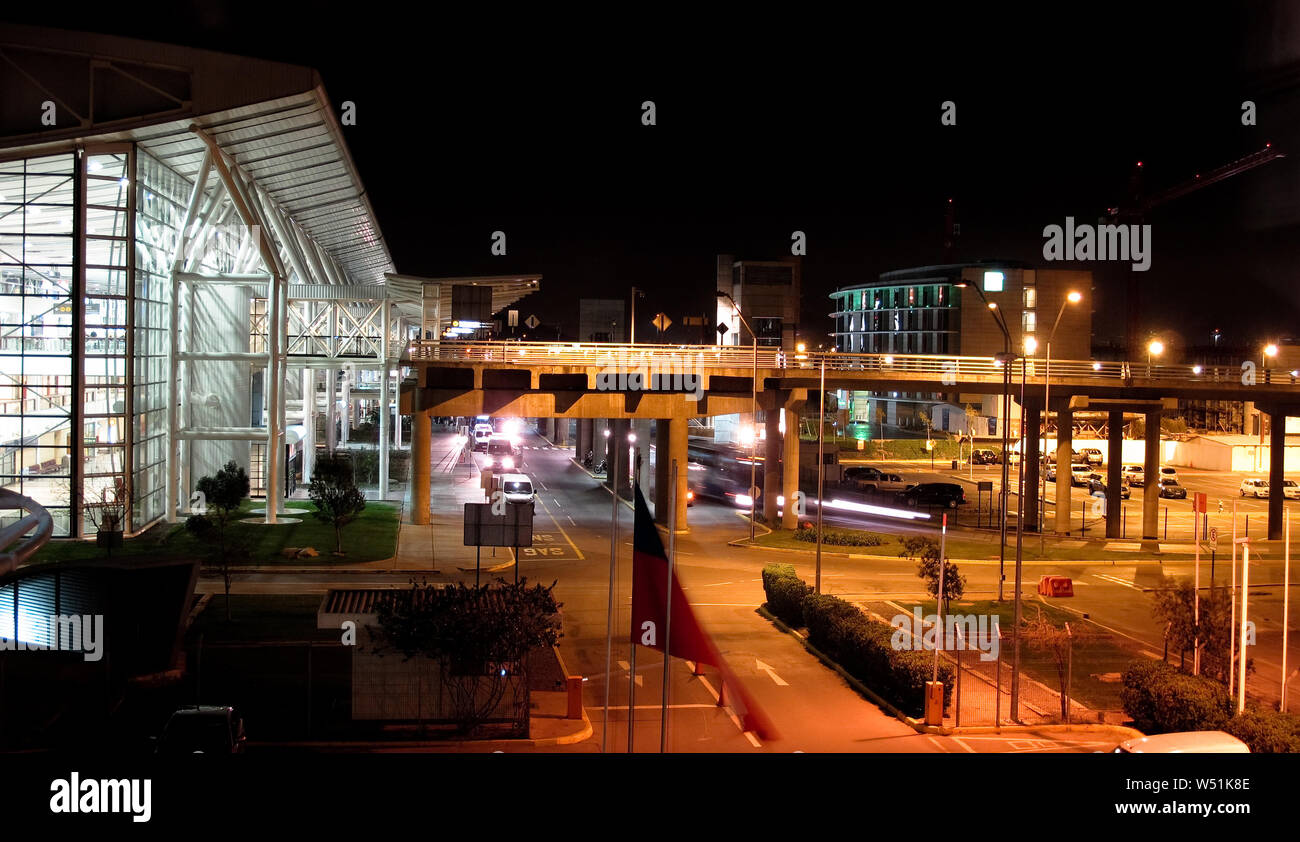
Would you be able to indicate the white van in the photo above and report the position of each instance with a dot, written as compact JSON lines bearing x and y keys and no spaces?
{"x":1184,"y":742}
{"x":518,"y":488}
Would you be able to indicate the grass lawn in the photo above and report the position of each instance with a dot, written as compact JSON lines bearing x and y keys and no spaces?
{"x":371,"y":537}
{"x":972,"y":548}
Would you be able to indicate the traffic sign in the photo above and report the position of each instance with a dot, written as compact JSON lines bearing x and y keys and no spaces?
{"x":532,"y":322}
{"x":512,"y":318}
{"x":1198,"y":502}
{"x":1214,"y":537}
{"x":722,"y":329}
{"x":662,"y":322}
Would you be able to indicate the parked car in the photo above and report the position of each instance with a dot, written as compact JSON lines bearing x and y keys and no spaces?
{"x":1012,"y":457}
{"x":946,"y":494}
{"x":1134,"y":475}
{"x":1290,"y":489}
{"x":983,"y":457}
{"x":1080,"y":473}
{"x":1169,"y":473}
{"x":862,"y":475}
{"x":893,"y":483}
{"x":1091,"y":455}
{"x":1254,"y":488}
{"x":1097,"y":488}
{"x":1184,"y":742}
{"x":1171,"y":489}
{"x":203,"y":729}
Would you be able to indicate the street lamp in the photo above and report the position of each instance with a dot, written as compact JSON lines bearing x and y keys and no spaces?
{"x":1154,"y":349}
{"x":1073,"y":297}
{"x":1270,"y":352}
{"x":753,"y":447}
{"x":1006,"y":414}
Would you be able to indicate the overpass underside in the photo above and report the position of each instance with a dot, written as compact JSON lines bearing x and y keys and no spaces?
{"x":672,"y":386}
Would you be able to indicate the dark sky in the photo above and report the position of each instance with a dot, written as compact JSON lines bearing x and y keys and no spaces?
{"x":807,"y":121}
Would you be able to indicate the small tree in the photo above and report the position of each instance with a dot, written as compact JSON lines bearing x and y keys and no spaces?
{"x":481,"y":636}
{"x":108,"y":514}
{"x":1175,"y":609}
{"x":925,"y":552}
{"x":1042,"y":635}
{"x":221,"y":496}
{"x":334,"y":492}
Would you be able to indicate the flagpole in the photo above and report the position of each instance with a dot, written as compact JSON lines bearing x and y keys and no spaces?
{"x":609,"y":617}
{"x":668,"y":604}
{"x":631,"y":673}
{"x":821,"y":473}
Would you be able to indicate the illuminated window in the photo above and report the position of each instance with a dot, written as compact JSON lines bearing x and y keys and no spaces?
{"x":1031,"y":296}
{"x":1029,"y":321}
{"x":993,"y":281}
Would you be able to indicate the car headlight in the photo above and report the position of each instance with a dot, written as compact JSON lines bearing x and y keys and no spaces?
{"x":507,"y":462}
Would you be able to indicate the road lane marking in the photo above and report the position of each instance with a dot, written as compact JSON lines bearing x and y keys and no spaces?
{"x":771,"y":673}
{"x":1128,"y":583}
{"x":730,"y":713}
{"x":960,"y":742}
{"x":581,"y":557}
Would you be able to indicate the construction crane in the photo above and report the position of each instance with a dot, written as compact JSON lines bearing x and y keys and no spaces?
{"x":1138,"y":204}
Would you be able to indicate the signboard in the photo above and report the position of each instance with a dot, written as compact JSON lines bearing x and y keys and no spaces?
{"x":1198,"y":502}
{"x":512,"y":318}
{"x":512,"y":528}
{"x":1214,"y":538}
{"x":722,"y":330}
{"x":986,"y":485}
{"x":662,"y":322}
{"x":532,"y":322}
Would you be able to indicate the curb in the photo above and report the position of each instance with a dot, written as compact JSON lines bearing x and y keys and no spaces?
{"x":919,"y":725}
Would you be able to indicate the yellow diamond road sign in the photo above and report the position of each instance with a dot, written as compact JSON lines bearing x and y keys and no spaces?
{"x":662,"y":322}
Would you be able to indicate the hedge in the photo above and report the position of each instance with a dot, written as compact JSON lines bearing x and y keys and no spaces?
{"x":785,"y":592}
{"x":864,"y":648}
{"x":1266,"y":731}
{"x":840,"y":537}
{"x":1159,"y":698}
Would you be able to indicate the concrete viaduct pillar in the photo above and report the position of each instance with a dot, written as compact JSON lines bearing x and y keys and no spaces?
{"x":1030,"y":455}
{"x":584,"y":439}
{"x":1064,"y":451}
{"x":421,"y":465}
{"x":790,"y":470}
{"x":771,"y":466}
{"x":670,"y":446}
{"x":1114,"y":462}
{"x":1151,"y":470}
{"x":560,"y":427}
{"x":1276,"y":470}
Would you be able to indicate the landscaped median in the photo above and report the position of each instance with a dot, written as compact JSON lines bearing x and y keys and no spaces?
{"x":858,"y":646}
{"x":843,"y":541}
{"x":371,"y":537}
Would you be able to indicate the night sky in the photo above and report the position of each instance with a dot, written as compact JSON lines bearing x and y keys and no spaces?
{"x":811,"y":122}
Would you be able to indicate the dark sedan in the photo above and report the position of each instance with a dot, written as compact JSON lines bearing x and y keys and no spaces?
{"x":947,"y":494}
{"x":1171,"y":489}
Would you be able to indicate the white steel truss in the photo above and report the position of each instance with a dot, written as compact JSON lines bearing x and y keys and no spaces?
{"x":306,"y":312}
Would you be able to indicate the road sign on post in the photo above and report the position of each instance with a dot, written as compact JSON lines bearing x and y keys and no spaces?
{"x":1214,"y":537}
{"x":722,"y":330}
{"x":532,"y":322}
{"x":1199,"y":502}
{"x":661,"y":322}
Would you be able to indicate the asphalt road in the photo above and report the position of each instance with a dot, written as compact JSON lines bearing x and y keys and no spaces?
{"x":812,"y":708}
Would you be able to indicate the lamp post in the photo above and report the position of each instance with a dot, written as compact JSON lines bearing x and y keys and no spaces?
{"x":1154,"y":349}
{"x":1006,"y":413}
{"x":1071,"y":298}
{"x":753,"y":446}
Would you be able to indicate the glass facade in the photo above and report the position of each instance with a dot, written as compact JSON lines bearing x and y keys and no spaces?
{"x":38,"y":247}
{"x":916,"y":318}
{"x":86,"y":244}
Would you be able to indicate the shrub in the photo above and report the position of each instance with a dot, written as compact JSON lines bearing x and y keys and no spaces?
{"x":864,"y":648}
{"x":1160,"y":699}
{"x":785,"y":592}
{"x":1267,"y":732}
{"x":840,"y":537}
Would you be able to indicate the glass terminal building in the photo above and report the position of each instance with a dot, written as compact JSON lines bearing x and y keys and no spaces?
{"x":190,"y":272}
